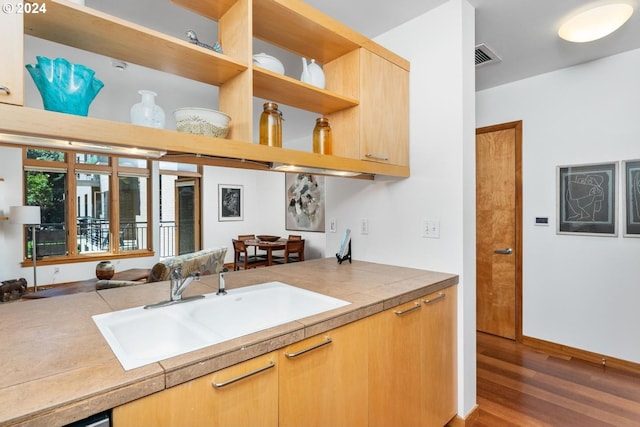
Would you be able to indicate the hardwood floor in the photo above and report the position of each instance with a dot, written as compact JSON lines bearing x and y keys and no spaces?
{"x":518,"y":386}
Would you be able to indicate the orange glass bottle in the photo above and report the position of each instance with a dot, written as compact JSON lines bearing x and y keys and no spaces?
{"x":271,"y":125}
{"x":322,"y":136}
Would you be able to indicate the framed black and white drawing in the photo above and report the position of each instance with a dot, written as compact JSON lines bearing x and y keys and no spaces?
{"x":631,"y":193}
{"x":230,"y":204}
{"x":305,"y":202}
{"x":586,"y":199}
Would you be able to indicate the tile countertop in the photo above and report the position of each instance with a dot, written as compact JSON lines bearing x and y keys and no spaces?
{"x":57,"y":367}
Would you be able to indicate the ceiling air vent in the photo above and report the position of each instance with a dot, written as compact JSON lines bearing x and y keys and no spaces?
{"x":484,"y":55}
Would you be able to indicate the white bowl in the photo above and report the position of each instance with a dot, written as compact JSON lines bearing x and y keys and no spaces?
{"x":202,"y":121}
{"x":269,"y":62}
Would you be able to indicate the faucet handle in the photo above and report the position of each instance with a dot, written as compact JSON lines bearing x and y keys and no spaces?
{"x":176,"y":273}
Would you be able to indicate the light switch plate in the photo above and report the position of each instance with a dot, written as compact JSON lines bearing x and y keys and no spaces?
{"x":333,"y":225}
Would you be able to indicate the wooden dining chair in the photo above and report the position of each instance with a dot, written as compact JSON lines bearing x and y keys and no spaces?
{"x":242,"y":260}
{"x":244,"y":237}
{"x":293,"y":252}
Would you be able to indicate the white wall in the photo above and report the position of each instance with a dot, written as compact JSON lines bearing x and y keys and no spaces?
{"x":439,"y":46}
{"x":580,"y":291}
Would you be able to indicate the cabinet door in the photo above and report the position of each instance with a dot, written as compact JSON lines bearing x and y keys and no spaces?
{"x":384,"y":110}
{"x":439,"y":367}
{"x":394,"y":367}
{"x":241,"y":395}
{"x":323,"y":379}
{"x":12,"y":63}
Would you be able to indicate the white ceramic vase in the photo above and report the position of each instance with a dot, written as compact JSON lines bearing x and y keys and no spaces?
{"x":147,"y":112}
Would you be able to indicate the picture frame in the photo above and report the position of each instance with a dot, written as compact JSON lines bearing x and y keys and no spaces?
{"x":631,"y":195}
{"x":304,"y":199}
{"x":586,"y":199}
{"x":230,"y":202}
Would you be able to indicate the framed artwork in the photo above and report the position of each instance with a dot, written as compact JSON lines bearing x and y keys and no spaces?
{"x":304,"y":202}
{"x":230,"y":203}
{"x":631,"y":194}
{"x":586,"y":199}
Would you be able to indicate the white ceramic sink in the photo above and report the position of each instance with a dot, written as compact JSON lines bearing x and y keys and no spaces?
{"x":141,"y":336}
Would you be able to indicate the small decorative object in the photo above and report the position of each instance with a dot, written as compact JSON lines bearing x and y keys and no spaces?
{"x":271,"y":125}
{"x":105,"y":270}
{"x":268,"y":62}
{"x":631,"y":192}
{"x":230,"y":202}
{"x":267,"y":238}
{"x":305,"y":202}
{"x":147,"y":112}
{"x":587,"y":199}
{"x":312,"y":74}
{"x":193,"y":38}
{"x":64,"y":87}
{"x":202,"y":121}
{"x":322,"y":136}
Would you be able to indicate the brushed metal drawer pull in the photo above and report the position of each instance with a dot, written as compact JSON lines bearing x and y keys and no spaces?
{"x":506,"y":251}
{"x":376,"y":156}
{"x":442,"y":295}
{"x":313,"y":347}
{"x":243,"y":376}
{"x":5,"y":90}
{"x":408,"y":310}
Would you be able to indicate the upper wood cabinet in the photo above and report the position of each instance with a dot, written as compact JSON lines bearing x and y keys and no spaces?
{"x":366,"y":96}
{"x":11,"y":65}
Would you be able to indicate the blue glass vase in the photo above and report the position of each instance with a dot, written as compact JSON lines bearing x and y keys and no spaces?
{"x":64,"y":87}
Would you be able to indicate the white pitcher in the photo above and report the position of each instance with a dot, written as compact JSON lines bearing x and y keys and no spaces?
{"x":312,"y":73}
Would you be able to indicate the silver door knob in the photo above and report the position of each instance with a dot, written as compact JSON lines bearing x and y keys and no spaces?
{"x":506,"y":251}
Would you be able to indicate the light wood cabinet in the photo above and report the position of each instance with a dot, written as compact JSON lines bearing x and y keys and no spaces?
{"x":241,"y":395}
{"x":381,"y":118}
{"x":323,"y":379}
{"x":11,"y":65}
{"x":412,"y":379}
{"x":367,"y":85}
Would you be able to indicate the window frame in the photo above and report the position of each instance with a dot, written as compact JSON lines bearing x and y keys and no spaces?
{"x":71,"y":167}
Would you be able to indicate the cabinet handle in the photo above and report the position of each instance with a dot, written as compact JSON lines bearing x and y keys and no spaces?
{"x":327,"y":340}
{"x":5,"y":90}
{"x":439,"y":297}
{"x":506,"y":251}
{"x":243,"y":376}
{"x":376,"y":156}
{"x":408,"y":310}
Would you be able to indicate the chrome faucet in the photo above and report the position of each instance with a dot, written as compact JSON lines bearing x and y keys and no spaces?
{"x":178,"y":284}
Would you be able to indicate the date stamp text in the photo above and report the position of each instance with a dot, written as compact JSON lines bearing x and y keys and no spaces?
{"x":24,"y":8}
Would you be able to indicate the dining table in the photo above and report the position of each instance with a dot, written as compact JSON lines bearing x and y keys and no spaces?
{"x":267,"y":246}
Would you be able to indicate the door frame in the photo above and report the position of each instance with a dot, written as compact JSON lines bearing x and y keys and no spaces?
{"x":517,"y":127}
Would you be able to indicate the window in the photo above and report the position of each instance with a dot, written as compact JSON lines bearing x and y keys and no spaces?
{"x":85,"y":200}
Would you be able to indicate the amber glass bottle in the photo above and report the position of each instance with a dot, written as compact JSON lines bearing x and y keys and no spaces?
{"x":271,"y":125}
{"x":322,"y":136}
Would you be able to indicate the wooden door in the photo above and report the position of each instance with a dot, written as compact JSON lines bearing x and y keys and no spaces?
{"x":498,"y":229}
{"x":187,"y":202}
{"x":241,"y":395}
{"x":323,"y":379}
{"x":395,"y":361}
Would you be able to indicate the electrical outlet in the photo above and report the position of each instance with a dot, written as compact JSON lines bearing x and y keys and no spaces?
{"x":431,"y":228}
{"x":333,"y":225}
{"x":364,"y":226}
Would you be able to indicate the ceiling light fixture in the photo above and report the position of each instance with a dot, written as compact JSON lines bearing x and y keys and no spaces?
{"x":595,"y":23}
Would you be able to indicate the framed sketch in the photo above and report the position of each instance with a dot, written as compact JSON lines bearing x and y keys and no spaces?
{"x":230,"y":203}
{"x":304,"y":202}
{"x":586,"y":199}
{"x":631,"y":195}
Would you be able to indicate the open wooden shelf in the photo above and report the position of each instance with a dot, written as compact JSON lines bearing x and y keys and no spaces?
{"x":91,"y":30}
{"x":48,"y":124}
{"x":286,"y":90}
{"x":207,"y":8}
